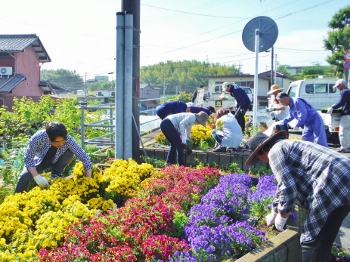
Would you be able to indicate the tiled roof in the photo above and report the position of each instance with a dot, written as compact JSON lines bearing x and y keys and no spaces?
{"x":278,"y":74}
{"x":17,"y":43}
{"x":7,"y":84}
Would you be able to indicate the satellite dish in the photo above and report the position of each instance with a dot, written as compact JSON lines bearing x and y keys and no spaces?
{"x":268,"y":32}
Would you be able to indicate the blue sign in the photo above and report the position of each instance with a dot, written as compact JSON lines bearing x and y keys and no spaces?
{"x":347,"y":64}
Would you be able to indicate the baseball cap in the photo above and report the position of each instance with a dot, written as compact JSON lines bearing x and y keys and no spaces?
{"x":340,"y":82}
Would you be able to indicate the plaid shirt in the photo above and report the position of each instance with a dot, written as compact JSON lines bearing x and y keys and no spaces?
{"x":39,"y":144}
{"x":312,"y":176}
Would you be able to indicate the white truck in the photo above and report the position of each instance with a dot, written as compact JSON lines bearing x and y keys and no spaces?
{"x":320,"y":93}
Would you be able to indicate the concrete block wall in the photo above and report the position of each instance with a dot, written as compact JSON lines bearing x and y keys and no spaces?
{"x":212,"y":158}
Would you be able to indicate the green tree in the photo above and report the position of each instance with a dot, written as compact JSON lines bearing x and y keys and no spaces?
{"x":187,"y":75}
{"x":338,"y":41}
{"x":64,"y":78}
{"x":282,"y":69}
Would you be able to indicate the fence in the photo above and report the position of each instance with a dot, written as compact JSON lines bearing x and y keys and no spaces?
{"x":147,"y":123}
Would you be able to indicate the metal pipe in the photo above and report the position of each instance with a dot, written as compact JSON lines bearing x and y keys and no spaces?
{"x":82,"y":124}
{"x":128,"y":81}
{"x":119,"y":88}
{"x":256,"y":78}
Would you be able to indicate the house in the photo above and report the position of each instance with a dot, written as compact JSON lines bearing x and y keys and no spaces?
{"x":149,"y":97}
{"x":21,"y":57}
{"x":104,"y":95}
{"x":294,"y":70}
{"x":264,"y":83}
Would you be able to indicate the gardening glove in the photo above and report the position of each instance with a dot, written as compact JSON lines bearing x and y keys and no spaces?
{"x":270,"y":218}
{"x":280,"y":222}
{"x":39,"y":180}
{"x":268,"y":110}
{"x":184,"y":140}
{"x":330,"y":110}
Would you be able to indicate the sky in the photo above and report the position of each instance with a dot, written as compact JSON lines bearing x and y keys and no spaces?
{"x":80,"y":35}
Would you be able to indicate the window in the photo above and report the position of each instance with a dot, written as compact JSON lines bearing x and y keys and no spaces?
{"x":292,"y":91}
{"x":148,"y":92}
{"x":218,"y":89}
{"x":309,"y":89}
{"x":320,"y":88}
{"x":332,"y":89}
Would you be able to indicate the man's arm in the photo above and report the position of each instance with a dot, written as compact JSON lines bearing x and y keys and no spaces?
{"x":88,"y":173}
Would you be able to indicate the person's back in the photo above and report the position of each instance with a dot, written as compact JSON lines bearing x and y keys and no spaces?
{"x":232,"y":131}
{"x":172,"y":107}
{"x":240,"y":95}
{"x":196,"y":109}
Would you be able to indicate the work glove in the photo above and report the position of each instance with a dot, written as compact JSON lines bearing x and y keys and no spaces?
{"x":280,"y":222}
{"x":184,"y":140}
{"x":330,"y":110}
{"x":39,"y":180}
{"x":270,"y":218}
{"x":268,"y":110}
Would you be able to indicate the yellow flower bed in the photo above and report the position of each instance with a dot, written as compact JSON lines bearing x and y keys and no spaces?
{"x":198,"y":133}
{"x":39,"y":218}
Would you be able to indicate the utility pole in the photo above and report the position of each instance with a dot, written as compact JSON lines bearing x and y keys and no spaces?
{"x":134,"y":7}
{"x":271,"y":75}
{"x":164,"y":87}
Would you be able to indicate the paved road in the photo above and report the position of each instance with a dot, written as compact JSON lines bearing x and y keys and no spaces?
{"x":343,"y":238}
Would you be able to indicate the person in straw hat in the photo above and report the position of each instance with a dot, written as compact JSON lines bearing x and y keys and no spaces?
{"x":177,"y":130}
{"x":311,"y":176}
{"x":277,"y":111}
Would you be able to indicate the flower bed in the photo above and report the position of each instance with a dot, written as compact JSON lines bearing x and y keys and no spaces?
{"x":133,"y":213}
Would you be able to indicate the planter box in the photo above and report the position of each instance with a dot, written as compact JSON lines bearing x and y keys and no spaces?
{"x":285,"y":247}
{"x":221,"y":159}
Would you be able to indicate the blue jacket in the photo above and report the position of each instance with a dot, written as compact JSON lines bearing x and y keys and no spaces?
{"x":241,"y":96}
{"x":170,"y":108}
{"x":344,"y":102}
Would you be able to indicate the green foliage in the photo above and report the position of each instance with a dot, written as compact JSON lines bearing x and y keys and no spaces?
{"x":187,"y":75}
{"x":158,"y":163}
{"x":101,"y":85}
{"x":258,"y":209}
{"x":184,"y":97}
{"x":338,"y":40}
{"x":64,"y":78}
{"x":234,"y":168}
{"x":260,"y":171}
{"x":180,"y":221}
{"x":68,"y":113}
{"x":26,"y":117}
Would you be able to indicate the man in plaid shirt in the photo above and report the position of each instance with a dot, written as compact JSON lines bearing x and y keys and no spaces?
{"x":313,"y":177}
{"x":51,"y":149}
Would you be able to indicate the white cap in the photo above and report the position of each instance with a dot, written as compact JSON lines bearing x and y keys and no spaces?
{"x":340,"y":82}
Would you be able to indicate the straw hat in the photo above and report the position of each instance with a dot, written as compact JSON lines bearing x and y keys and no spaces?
{"x":274,"y":88}
{"x":202,"y":118}
{"x":259,"y":139}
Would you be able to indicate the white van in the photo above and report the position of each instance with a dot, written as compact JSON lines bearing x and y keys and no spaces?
{"x":318,"y":92}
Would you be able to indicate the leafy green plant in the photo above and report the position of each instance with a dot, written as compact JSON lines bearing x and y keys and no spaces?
{"x":260,"y":171}
{"x":180,"y":221}
{"x":234,"y":168}
{"x":158,"y":163}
